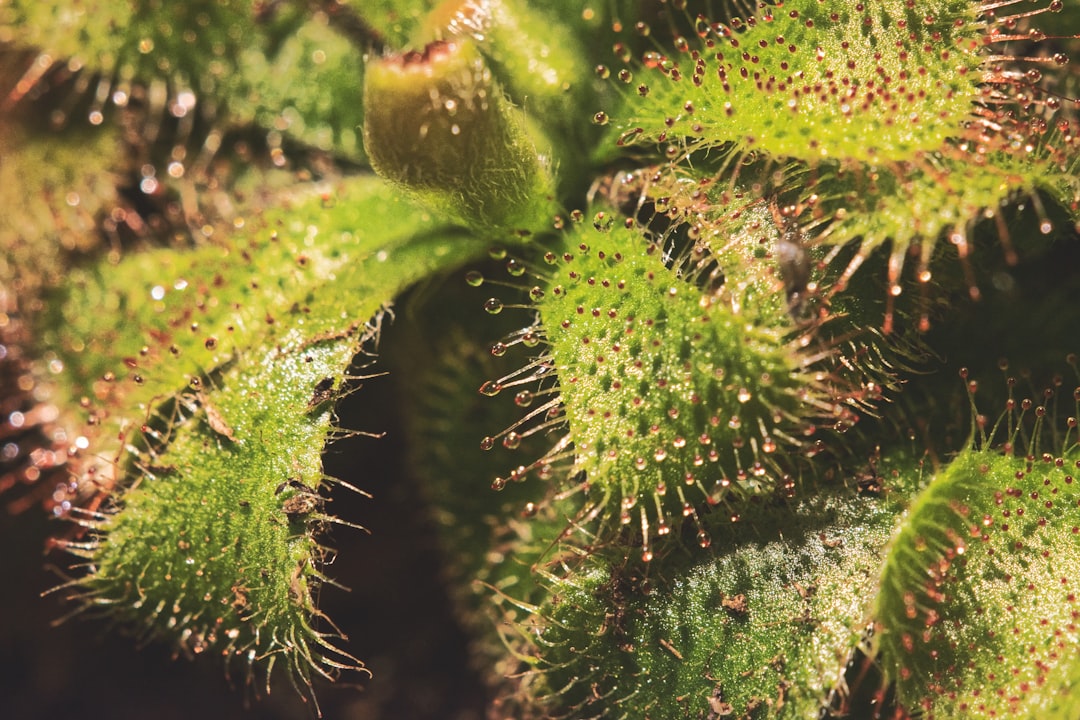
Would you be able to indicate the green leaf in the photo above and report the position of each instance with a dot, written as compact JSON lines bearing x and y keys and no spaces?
{"x":978,"y":603}
{"x":210,"y":535}
{"x":760,"y":624}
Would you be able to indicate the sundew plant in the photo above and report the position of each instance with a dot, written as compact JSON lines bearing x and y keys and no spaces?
{"x":726,"y":349}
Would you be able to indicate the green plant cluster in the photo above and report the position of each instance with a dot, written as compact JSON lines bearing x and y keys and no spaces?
{"x":702,"y":451}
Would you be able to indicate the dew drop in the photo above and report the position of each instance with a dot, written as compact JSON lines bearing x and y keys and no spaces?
{"x":600,"y":118}
{"x":490,"y":388}
{"x":663,"y":529}
{"x":474,"y":278}
{"x":602,"y":72}
{"x":744,"y":395}
{"x":703,"y":539}
{"x":515,"y":267}
{"x":530,"y":339}
{"x":523,"y":399}
{"x":627,"y":137}
{"x":1046,"y":227}
{"x":498,"y":349}
{"x":498,"y":484}
{"x":493,"y":306}
{"x":512,"y":441}
{"x":487,"y":443}
{"x":1061,"y":59}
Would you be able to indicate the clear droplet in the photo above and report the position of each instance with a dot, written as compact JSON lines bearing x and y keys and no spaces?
{"x":600,"y":118}
{"x":474,"y":278}
{"x":498,"y":349}
{"x":512,"y":441}
{"x":515,"y":267}
{"x":490,"y":388}
{"x":523,"y":398}
{"x":487,"y":443}
{"x":493,"y":306}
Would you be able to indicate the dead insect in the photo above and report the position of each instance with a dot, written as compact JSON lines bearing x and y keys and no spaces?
{"x":791,"y":256}
{"x":214,"y":417}
{"x":632,"y":194}
{"x":323,"y":392}
{"x":305,"y":501}
{"x":869,"y":481}
{"x":736,"y":605}
{"x":627,"y":191}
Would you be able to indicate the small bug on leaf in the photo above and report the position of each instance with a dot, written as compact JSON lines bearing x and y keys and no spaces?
{"x":305,"y":501}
